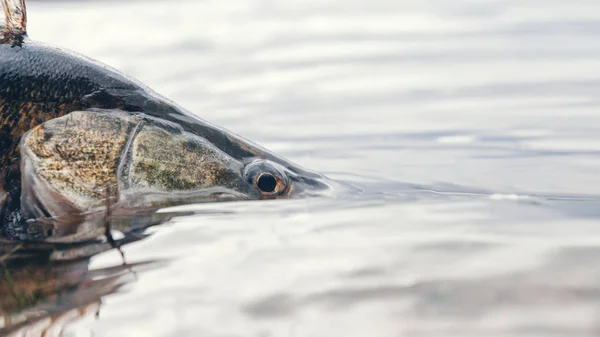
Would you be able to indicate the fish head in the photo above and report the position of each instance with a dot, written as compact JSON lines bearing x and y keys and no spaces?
{"x":75,"y":163}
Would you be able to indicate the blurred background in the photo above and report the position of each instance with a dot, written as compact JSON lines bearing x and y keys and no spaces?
{"x":494,"y":103}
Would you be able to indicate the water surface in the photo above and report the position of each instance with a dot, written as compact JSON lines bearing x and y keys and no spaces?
{"x":472,"y":128}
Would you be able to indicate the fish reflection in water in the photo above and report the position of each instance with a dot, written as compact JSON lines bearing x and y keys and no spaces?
{"x":45,"y":285}
{"x":39,"y":299}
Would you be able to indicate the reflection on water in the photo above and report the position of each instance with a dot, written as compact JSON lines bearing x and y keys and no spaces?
{"x":471,"y":126}
{"x":45,"y":285}
{"x":40,"y":299}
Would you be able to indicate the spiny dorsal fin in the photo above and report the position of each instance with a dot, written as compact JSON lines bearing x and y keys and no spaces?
{"x":15,"y":14}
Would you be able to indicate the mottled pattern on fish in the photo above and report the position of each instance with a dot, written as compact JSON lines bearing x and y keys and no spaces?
{"x":81,"y":155}
{"x":16,"y":119}
{"x":173,"y":162}
{"x":38,"y":83}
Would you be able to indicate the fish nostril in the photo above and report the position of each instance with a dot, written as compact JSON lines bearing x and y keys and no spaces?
{"x":267,"y":183}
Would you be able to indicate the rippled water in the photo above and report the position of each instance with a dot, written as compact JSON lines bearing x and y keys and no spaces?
{"x":471,"y":126}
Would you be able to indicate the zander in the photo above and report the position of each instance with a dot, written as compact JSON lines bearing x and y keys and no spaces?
{"x":74,"y":132}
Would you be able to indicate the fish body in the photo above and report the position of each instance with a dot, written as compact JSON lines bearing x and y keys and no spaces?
{"x":41,"y":83}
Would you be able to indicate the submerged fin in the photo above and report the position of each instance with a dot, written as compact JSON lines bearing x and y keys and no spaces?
{"x":15,"y":15}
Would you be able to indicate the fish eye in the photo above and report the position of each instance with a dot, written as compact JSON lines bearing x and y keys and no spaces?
{"x":267,"y":178}
{"x":266,"y":182}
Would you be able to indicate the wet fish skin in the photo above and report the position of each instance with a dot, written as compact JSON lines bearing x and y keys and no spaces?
{"x":40,"y":82}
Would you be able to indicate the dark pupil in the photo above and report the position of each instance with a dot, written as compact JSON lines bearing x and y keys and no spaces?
{"x":267,"y":183}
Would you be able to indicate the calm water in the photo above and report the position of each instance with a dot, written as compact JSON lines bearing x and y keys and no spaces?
{"x":473,"y":128}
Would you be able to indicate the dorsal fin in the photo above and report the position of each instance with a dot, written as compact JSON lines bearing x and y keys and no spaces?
{"x":15,"y":15}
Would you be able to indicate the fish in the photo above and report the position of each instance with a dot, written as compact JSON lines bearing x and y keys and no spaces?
{"x":75,"y":132}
